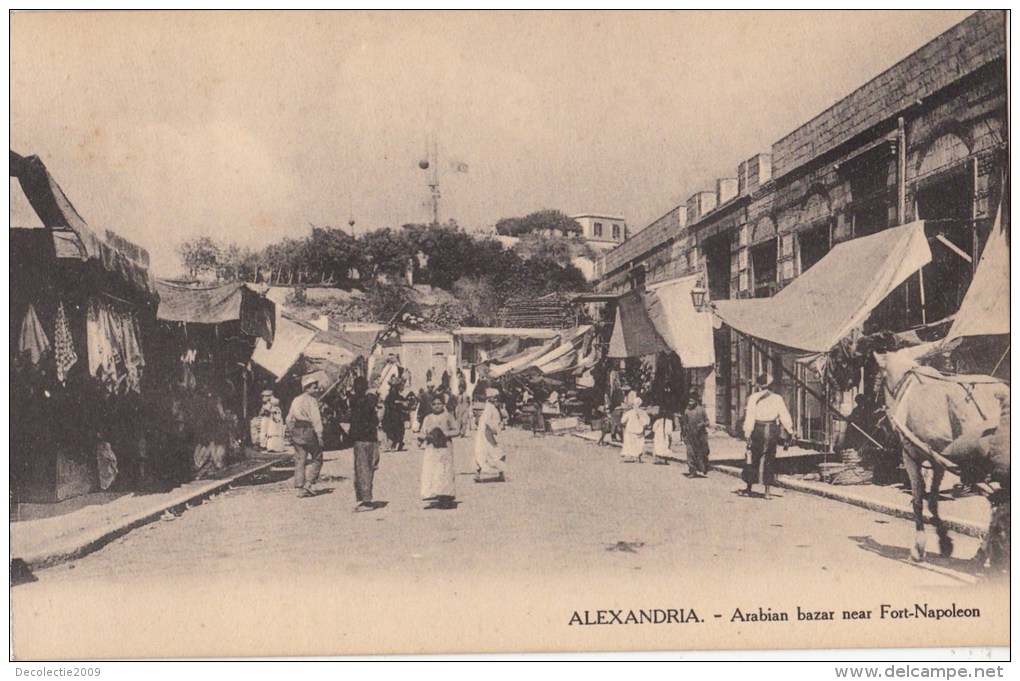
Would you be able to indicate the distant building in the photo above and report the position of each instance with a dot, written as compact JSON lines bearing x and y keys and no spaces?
{"x":602,"y":231}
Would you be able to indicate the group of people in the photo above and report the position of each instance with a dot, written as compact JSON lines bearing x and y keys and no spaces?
{"x":449,"y":417}
{"x":635,"y":423}
{"x":267,"y":427}
{"x":442,"y":416}
{"x":767,"y":421}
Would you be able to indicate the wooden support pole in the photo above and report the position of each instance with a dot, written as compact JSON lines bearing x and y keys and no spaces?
{"x":901,"y":171}
{"x":920,"y":281}
{"x":820,"y":398}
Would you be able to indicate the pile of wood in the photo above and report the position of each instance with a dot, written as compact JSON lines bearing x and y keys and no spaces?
{"x":554,"y":311}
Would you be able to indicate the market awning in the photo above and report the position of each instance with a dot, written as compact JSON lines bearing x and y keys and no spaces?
{"x":985,"y":308}
{"x":298,"y":341}
{"x":289,"y":342}
{"x":522,"y":360}
{"x":53,"y":209}
{"x":820,"y":307}
{"x":634,"y":334}
{"x":216,"y":305}
{"x":685,"y":330}
{"x":564,"y":356}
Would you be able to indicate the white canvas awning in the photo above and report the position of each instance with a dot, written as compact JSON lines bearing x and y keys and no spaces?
{"x":822,"y":306}
{"x":985,"y":308}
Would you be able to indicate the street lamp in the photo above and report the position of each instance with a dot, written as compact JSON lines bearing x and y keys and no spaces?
{"x":699,"y":297}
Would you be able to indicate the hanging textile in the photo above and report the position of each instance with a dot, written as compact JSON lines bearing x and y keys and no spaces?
{"x":63,"y":345}
{"x":32,"y":340}
{"x":115,"y":355}
{"x":106,"y":462}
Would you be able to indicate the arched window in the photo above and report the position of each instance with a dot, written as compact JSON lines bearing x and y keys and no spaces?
{"x":816,"y":210}
{"x":942,"y":153}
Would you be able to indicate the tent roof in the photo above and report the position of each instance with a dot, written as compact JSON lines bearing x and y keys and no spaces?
{"x":297,"y":339}
{"x":820,"y":307}
{"x":56,"y":213}
{"x":985,"y":307}
{"x":634,"y":334}
{"x":216,"y":305}
{"x":685,"y":330}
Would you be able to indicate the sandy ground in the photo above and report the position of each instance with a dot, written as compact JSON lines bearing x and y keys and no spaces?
{"x":572,"y":529}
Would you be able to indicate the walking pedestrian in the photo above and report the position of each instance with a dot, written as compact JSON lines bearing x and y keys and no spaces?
{"x":634,"y":421}
{"x":489,"y":460}
{"x":662,"y":436}
{"x":437,"y":475}
{"x":394,"y":416}
{"x":765,"y":420}
{"x":305,"y":423}
{"x":365,"y":435}
{"x":424,"y":406}
{"x":695,"y":432}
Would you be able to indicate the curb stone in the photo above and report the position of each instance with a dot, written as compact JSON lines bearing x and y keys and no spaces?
{"x":955,"y":524}
{"x":89,"y":540}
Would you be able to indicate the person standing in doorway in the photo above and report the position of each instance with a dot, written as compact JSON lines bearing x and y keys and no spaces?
{"x":766,"y":419}
{"x":365,"y":436}
{"x":695,"y":432}
{"x":305,"y":423}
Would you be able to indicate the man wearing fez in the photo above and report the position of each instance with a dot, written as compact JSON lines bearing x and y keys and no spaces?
{"x":764,"y":419}
{"x":305,"y":423}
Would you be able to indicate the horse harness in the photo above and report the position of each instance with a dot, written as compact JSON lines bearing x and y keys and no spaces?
{"x":933,"y":456}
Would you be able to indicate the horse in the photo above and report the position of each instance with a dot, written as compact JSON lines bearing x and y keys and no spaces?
{"x":929,"y":410}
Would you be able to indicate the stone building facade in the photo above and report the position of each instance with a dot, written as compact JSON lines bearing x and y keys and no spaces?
{"x":926,"y":139}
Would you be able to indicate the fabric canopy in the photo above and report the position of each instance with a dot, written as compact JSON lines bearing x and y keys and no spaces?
{"x":565,"y":355}
{"x":685,"y":330}
{"x":634,"y":333}
{"x":522,"y":360}
{"x":820,"y":307}
{"x":116,"y":254}
{"x":216,"y":305}
{"x":985,"y":308}
{"x":290,"y":341}
{"x":299,"y":343}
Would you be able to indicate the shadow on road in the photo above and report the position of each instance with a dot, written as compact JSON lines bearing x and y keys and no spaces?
{"x":271,"y":476}
{"x":902,"y":554}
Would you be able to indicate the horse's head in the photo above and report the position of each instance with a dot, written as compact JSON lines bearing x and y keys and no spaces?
{"x":894,"y":366}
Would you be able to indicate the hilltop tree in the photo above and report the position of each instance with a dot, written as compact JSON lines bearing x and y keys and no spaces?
{"x":542,"y":222}
{"x":201,"y":256}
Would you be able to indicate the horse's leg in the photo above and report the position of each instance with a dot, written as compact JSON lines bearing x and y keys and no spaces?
{"x":945,"y":541}
{"x":913,"y":468}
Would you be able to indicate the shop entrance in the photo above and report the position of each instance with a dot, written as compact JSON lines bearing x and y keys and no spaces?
{"x":945,"y":206}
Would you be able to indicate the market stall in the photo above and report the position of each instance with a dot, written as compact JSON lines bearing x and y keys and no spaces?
{"x":85,"y":383}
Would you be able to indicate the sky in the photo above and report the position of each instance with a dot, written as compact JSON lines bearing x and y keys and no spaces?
{"x":249,"y":127}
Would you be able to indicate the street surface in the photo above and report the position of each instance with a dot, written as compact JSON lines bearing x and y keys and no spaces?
{"x":572,"y":519}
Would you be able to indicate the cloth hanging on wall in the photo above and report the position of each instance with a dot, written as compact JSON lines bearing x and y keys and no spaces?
{"x":63,"y":345}
{"x":115,"y":354}
{"x":32,"y":340}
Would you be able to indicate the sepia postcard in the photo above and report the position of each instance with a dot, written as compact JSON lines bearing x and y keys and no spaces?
{"x":435,"y":332}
